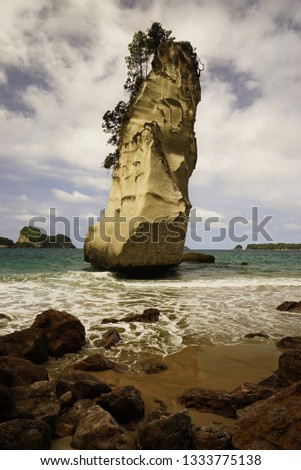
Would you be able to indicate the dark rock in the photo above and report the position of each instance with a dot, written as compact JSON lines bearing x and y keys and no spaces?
{"x":66,"y":399}
{"x":110,"y":338}
{"x":290,"y":306}
{"x":25,"y":434}
{"x":210,"y":438}
{"x":244,"y":263}
{"x":192,"y":256}
{"x":36,"y":401}
{"x":271,"y":424}
{"x":81,"y":386}
{"x":256,"y":335}
{"x":124,"y":404}
{"x":30,"y":343}
{"x":65,"y":332}
{"x":149,"y":315}
{"x":98,"y":430}
{"x":289,"y":342}
{"x":5,"y":401}
{"x":171,"y":432}
{"x":274,"y":381}
{"x":224,"y":403}
{"x":289,"y":365}
{"x":4,"y":317}
{"x":68,"y":421}
{"x":153,"y":366}
{"x":98,"y":362}
{"x":15,"y":371}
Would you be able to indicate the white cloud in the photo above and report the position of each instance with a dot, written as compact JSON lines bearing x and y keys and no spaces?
{"x":75,"y":53}
{"x":74,"y":197}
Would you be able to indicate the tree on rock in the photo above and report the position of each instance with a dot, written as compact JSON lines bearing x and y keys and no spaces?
{"x":141,"y":49}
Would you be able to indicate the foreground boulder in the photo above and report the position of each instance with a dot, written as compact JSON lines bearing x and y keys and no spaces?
{"x":65,"y":333}
{"x":68,"y":421}
{"x":30,"y":343}
{"x":98,"y":430}
{"x":289,"y":365}
{"x":37,"y":401}
{"x":98,"y":362}
{"x":271,"y":424}
{"x":81,"y":386}
{"x":146,"y":219}
{"x":289,"y":342}
{"x":25,"y":434}
{"x":166,"y":432}
{"x":15,"y":371}
{"x":224,"y":403}
{"x":210,"y":438}
{"x":124,"y":404}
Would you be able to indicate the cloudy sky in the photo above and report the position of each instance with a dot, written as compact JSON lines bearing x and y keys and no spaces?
{"x":62,"y":66}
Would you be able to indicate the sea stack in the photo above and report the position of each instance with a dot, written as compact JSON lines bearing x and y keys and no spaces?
{"x":145,"y":222}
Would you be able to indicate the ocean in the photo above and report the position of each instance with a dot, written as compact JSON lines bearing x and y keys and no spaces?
{"x":200,"y":304}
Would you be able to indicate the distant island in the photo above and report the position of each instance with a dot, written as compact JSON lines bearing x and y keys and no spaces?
{"x":32,"y":237}
{"x":274,"y":246}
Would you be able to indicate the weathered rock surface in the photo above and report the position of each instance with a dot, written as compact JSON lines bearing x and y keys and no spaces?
{"x":289,"y":342}
{"x":289,"y":365}
{"x":224,"y":403}
{"x":271,"y":424}
{"x":290,"y":306}
{"x":5,"y":401}
{"x":25,"y":434}
{"x":210,"y":438}
{"x":98,"y":430}
{"x":15,"y":371}
{"x":145,"y":222}
{"x":98,"y":362}
{"x":110,"y":338}
{"x":166,"y":432}
{"x":30,"y":343}
{"x":149,"y":315}
{"x":68,"y":421}
{"x":124,"y":403}
{"x":192,"y":256}
{"x":153,"y":366}
{"x":65,"y":332}
{"x":36,"y":401}
{"x":81,"y":386}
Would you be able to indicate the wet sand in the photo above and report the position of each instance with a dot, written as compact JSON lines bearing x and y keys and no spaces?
{"x":213,"y":367}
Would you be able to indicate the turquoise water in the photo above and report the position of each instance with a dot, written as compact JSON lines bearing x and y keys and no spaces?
{"x":199,"y":303}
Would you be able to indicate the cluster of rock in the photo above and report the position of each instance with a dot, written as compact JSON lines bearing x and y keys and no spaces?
{"x":35,"y":409}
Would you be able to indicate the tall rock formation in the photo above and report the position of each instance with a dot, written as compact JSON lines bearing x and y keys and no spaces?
{"x":145,"y":222}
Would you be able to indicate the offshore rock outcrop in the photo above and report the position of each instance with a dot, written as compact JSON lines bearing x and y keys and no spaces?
{"x":146,"y":219}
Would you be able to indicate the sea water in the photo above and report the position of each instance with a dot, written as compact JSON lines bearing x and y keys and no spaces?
{"x":200,"y":304}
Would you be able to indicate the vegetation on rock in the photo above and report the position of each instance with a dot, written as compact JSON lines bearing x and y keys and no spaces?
{"x":6,"y":242}
{"x":274,"y":246}
{"x":32,"y":237}
{"x":142,"y":49}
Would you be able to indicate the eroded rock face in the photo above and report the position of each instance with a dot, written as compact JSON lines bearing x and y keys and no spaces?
{"x":145,"y":222}
{"x":271,"y":424}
